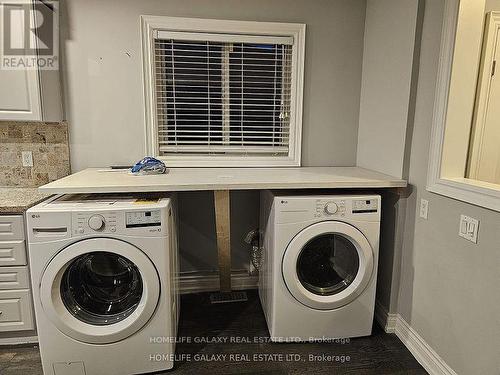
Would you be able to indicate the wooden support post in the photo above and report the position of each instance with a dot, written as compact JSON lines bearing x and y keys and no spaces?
{"x":223,"y":230}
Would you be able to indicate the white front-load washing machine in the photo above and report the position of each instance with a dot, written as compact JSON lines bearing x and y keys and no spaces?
{"x":104,"y":273}
{"x":319,"y":265}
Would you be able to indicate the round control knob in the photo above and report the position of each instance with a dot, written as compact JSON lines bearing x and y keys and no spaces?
{"x":331,"y":208}
{"x":96,"y":222}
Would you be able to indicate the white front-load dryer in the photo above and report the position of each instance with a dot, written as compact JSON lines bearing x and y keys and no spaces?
{"x":104,"y":273}
{"x":319,"y":265}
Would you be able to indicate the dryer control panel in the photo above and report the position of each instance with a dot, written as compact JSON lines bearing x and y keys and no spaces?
{"x":301,"y":208}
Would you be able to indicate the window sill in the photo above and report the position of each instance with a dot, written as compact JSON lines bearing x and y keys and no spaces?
{"x":475,"y":192}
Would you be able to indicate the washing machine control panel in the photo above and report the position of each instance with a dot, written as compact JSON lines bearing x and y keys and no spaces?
{"x":329,"y":207}
{"x":92,"y":222}
{"x":364,"y":206}
{"x":138,"y":219}
{"x":148,"y":222}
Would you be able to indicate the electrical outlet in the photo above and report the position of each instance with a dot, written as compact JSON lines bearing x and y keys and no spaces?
{"x":468,"y":228}
{"x":27,"y":157}
{"x":424,"y":208}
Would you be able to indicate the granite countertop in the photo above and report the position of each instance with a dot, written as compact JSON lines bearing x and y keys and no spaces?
{"x":16,"y":200}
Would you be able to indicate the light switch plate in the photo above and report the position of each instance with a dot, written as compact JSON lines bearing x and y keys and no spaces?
{"x":27,"y":157}
{"x":424,"y":208}
{"x":468,"y":228}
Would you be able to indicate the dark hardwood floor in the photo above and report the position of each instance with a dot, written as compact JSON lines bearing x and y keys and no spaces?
{"x":232,"y":338}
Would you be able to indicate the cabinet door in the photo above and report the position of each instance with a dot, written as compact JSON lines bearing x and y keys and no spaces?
{"x":19,"y":89}
{"x":12,"y":253}
{"x":16,"y":310}
{"x":12,"y":278}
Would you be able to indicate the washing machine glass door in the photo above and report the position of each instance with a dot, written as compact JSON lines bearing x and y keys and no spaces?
{"x":100,"y":290}
{"x":327,"y":265}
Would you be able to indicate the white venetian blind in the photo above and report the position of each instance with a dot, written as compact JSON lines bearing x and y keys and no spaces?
{"x":222,"y":94}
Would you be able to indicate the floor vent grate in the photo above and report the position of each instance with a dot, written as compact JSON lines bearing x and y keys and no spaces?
{"x":226,"y":297}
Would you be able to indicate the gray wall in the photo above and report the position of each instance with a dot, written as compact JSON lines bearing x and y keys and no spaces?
{"x":386,"y":82}
{"x":103,"y":89}
{"x":103,"y":77}
{"x":449,"y":286}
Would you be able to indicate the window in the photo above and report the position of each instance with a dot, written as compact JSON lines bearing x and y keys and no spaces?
{"x":222,"y":97}
{"x":459,"y":107}
{"x":223,"y":93}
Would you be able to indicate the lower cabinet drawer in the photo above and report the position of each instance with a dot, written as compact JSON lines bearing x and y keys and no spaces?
{"x":12,"y":253}
{"x":11,"y":227}
{"x":14,"y":278}
{"x":16,"y":311}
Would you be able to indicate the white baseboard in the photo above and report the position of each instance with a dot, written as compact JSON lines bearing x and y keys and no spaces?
{"x":423,"y":353}
{"x":19,"y":340}
{"x":209,"y":282}
{"x":386,"y":320}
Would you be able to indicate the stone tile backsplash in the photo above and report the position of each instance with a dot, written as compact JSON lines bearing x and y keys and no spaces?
{"x":47,"y":141}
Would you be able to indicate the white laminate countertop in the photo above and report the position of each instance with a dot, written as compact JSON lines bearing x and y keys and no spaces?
{"x":95,"y":180}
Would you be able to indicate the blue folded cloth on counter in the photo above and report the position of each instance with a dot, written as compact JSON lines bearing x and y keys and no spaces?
{"x":149,"y":165}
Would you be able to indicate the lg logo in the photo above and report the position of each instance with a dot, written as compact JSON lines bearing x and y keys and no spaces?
{"x":35,"y":216}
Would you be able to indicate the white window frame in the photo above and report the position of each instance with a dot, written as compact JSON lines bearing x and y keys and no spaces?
{"x":449,"y":144}
{"x":152,"y":24}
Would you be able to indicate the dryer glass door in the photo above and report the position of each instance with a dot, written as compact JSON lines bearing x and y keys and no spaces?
{"x":327,"y":265}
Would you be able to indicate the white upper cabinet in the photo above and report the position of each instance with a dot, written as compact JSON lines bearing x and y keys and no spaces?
{"x":28,"y":94}
{"x":20,"y":95}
